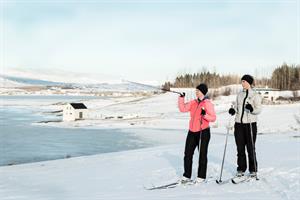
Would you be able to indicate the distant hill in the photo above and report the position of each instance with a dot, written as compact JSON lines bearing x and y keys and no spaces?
{"x":21,"y":78}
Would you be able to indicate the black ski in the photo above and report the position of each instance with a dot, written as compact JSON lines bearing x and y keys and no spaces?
{"x":178,"y":183}
{"x":238,"y":180}
{"x":221,"y":182}
{"x":167,"y":186}
{"x":172,"y":185}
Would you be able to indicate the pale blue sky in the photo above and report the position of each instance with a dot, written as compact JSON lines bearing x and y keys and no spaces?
{"x":149,"y":40}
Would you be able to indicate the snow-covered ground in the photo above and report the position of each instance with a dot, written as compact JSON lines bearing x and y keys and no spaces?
{"x":124,"y":175}
{"x":161,"y":111}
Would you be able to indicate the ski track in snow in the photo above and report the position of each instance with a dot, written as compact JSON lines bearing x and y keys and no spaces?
{"x":278,"y":183}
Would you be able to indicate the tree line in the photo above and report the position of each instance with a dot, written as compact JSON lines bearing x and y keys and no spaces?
{"x":283,"y":77}
{"x":286,"y":77}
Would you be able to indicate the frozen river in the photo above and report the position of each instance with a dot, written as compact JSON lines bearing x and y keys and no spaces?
{"x":22,"y":142}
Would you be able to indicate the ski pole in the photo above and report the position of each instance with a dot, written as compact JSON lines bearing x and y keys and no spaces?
{"x":199,"y":146}
{"x":200,"y":136}
{"x":168,"y":90}
{"x":228,"y":128}
{"x":153,"y":87}
{"x":253,"y":145}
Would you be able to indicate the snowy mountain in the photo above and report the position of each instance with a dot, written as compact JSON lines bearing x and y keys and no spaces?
{"x":7,"y":83}
{"x":21,"y":81}
{"x":13,"y":78}
{"x":61,"y":76}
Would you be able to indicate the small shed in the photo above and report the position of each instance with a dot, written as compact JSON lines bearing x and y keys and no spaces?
{"x":74,"y":111}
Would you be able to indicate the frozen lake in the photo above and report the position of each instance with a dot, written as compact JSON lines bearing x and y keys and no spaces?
{"x":22,"y":142}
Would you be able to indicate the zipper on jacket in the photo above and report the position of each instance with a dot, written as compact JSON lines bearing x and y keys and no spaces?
{"x":244,"y":106}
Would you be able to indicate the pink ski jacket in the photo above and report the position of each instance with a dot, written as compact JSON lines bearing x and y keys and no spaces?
{"x":195,"y":107}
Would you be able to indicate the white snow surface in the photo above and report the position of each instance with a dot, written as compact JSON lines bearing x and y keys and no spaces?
{"x":125,"y":175}
{"x":161,"y":111}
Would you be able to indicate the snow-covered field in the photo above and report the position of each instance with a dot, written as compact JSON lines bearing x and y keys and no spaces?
{"x":124,"y":175}
{"x":161,"y":111}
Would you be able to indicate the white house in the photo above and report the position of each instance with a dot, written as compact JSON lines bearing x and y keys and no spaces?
{"x":269,"y":94}
{"x":74,"y":111}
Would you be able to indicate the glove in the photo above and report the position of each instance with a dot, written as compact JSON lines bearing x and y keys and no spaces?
{"x":182,"y":94}
{"x":249,"y":107}
{"x":203,"y":112}
{"x":231,"y":111}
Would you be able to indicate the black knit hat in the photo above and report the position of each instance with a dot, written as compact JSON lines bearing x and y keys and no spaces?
{"x":248,"y":78}
{"x":203,"y":88}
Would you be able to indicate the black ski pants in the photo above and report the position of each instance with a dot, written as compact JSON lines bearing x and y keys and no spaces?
{"x":192,"y":141}
{"x":242,"y":137}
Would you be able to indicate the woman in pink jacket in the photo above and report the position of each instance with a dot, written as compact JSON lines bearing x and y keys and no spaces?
{"x":201,"y":113}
